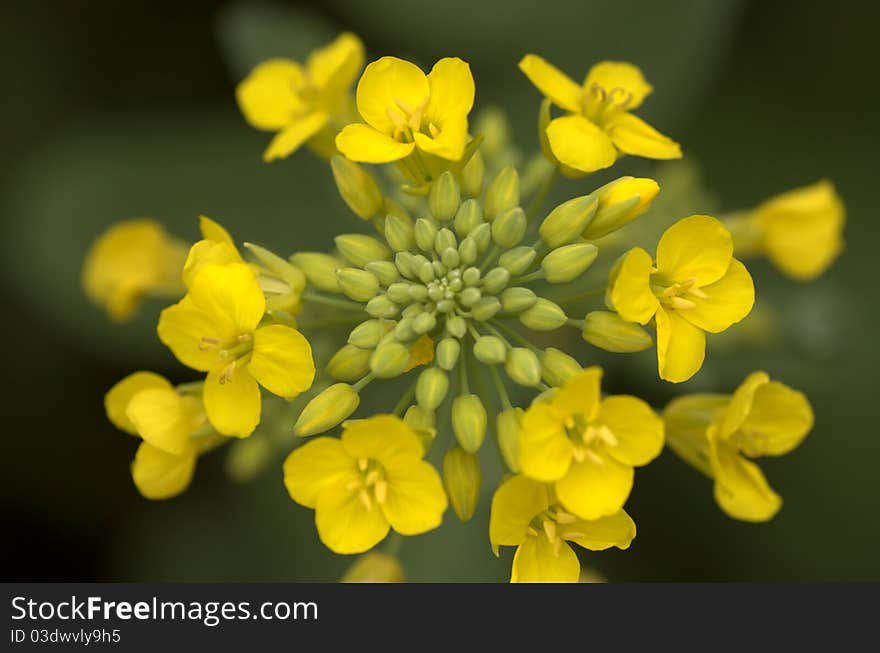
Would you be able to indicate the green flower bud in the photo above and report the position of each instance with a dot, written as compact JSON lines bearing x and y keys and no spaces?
{"x":523,"y":367}
{"x":328,"y":409}
{"x":469,"y":421}
{"x":516,"y":300}
{"x":468,"y":251}
{"x":461,"y":478}
{"x":444,"y":239}
{"x":247,"y":458}
{"x":367,"y":335}
{"x":444,"y":197}
{"x":399,"y":293}
{"x":456,"y":326}
{"x":509,"y":227}
{"x":446,"y":305}
{"x":423,"y":422}
{"x":424,"y":323}
{"x":349,"y":363}
{"x":557,"y":367}
{"x":469,"y":296}
{"x":357,"y":284}
{"x":621,"y":202}
{"x":418,"y":292}
{"x":381,"y":306}
{"x":502,"y":193}
{"x":490,"y":350}
{"x":468,"y":217}
{"x":495,"y":281}
{"x":446,"y":353}
{"x":471,"y":277}
{"x":472,"y":175}
{"x":485,"y":309}
{"x":320,"y":269}
{"x":425,"y":233}
{"x":405,"y":264}
{"x":412,"y":310}
{"x":426,"y":272}
{"x":386,"y":272}
{"x":360,"y":249}
{"x":567,"y":222}
{"x":357,"y":187}
{"x":389,"y":360}
{"x":568,"y":262}
{"x":611,"y":332}
{"x":431,"y":388}
{"x":404,"y":331}
{"x":399,"y":233}
{"x":483,"y":235}
{"x":450,"y":258}
{"x":440,"y":270}
{"x":436,"y":292}
{"x":290,"y":274}
{"x":543,"y":316}
{"x":517,"y":260}
{"x":375,"y":567}
{"x":393,"y":207}
{"x":508,"y":427}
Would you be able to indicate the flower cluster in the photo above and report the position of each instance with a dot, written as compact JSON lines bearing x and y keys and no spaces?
{"x":453,"y":293}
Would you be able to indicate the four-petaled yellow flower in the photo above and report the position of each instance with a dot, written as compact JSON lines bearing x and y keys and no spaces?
{"x":598,"y":126}
{"x":371,"y":479}
{"x":173,"y":428}
{"x":405,"y":109}
{"x":695,"y":286}
{"x":132,"y":259}
{"x":216,"y":328}
{"x":587,"y":446}
{"x":527,"y":515}
{"x":719,"y":434}
{"x":299,"y":102}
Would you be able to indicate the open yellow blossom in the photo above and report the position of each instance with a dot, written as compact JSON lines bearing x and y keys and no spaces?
{"x":719,"y":434}
{"x":169,"y":422}
{"x":695,"y":286}
{"x":131,"y":260}
{"x":217,"y":329}
{"x":587,"y":446}
{"x":800,"y":231}
{"x":300,"y":102}
{"x":405,"y":109}
{"x":598,"y":126}
{"x":527,"y":515}
{"x":368,"y":481}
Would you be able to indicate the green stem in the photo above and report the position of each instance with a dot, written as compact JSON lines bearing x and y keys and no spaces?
{"x":577,"y":324}
{"x":360,"y":385}
{"x":513,"y":335}
{"x":534,"y":276}
{"x":490,"y":257}
{"x":330,"y":322}
{"x":404,"y":400}
{"x":464,"y":388}
{"x":332,"y":301}
{"x":499,"y":387}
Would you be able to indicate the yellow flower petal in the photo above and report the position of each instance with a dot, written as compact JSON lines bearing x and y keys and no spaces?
{"x":166,"y":419}
{"x":384,"y":438}
{"x":267,"y":96}
{"x":740,"y":487}
{"x":333,"y":67}
{"x":421,"y":353}
{"x":213,"y":230}
{"x":740,"y":404}
{"x":206,"y":252}
{"x":698,"y":247}
{"x":229,"y":293}
{"x":515,"y":503}
{"x":632,"y":135}
{"x":345,"y":524}
{"x":294,"y":134}
{"x":233,"y":406}
{"x":578,"y":143}
{"x":687,"y":420}
{"x":727,"y":301}
{"x":537,"y":560}
{"x":158,"y":474}
{"x":599,"y":534}
{"x":390,"y":85}
{"x":552,"y":82}
{"x":182,"y":328}
{"x":449,"y":143}
{"x":416,"y":500}
{"x":595,"y":487}
{"x":545,"y":450}
{"x":681,"y":347}
{"x":636,"y":427}
{"x":365,"y":144}
{"x":452,"y":90}
{"x":282,"y":360}
{"x":117,"y":398}
{"x":611,"y":75}
{"x":579,"y":395}
{"x":630,"y":282}
{"x":313,"y":466}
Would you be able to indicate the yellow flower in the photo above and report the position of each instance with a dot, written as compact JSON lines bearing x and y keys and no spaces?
{"x":216,"y":247}
{"x":297,"y":101}
{"x":130,"y":260}
{"x":598,"y":126}
{"x":147,"y":405}
{"x":371,"y":479}
{"x":800,"y":231}
{"x":527,"y":515}
{"x":217,"y":329}
{"x":587,"y":446}
{"x":695,"y":286}
{"x":405,"y":109}
{"x":719,"y":434}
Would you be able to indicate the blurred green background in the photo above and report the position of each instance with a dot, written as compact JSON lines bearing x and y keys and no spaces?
{"x":115,"y":110}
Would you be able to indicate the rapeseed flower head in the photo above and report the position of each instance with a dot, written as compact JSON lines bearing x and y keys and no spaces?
{"x":695,"y":286}
{"x":365,"y":483}
{"x":598,"y":126}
